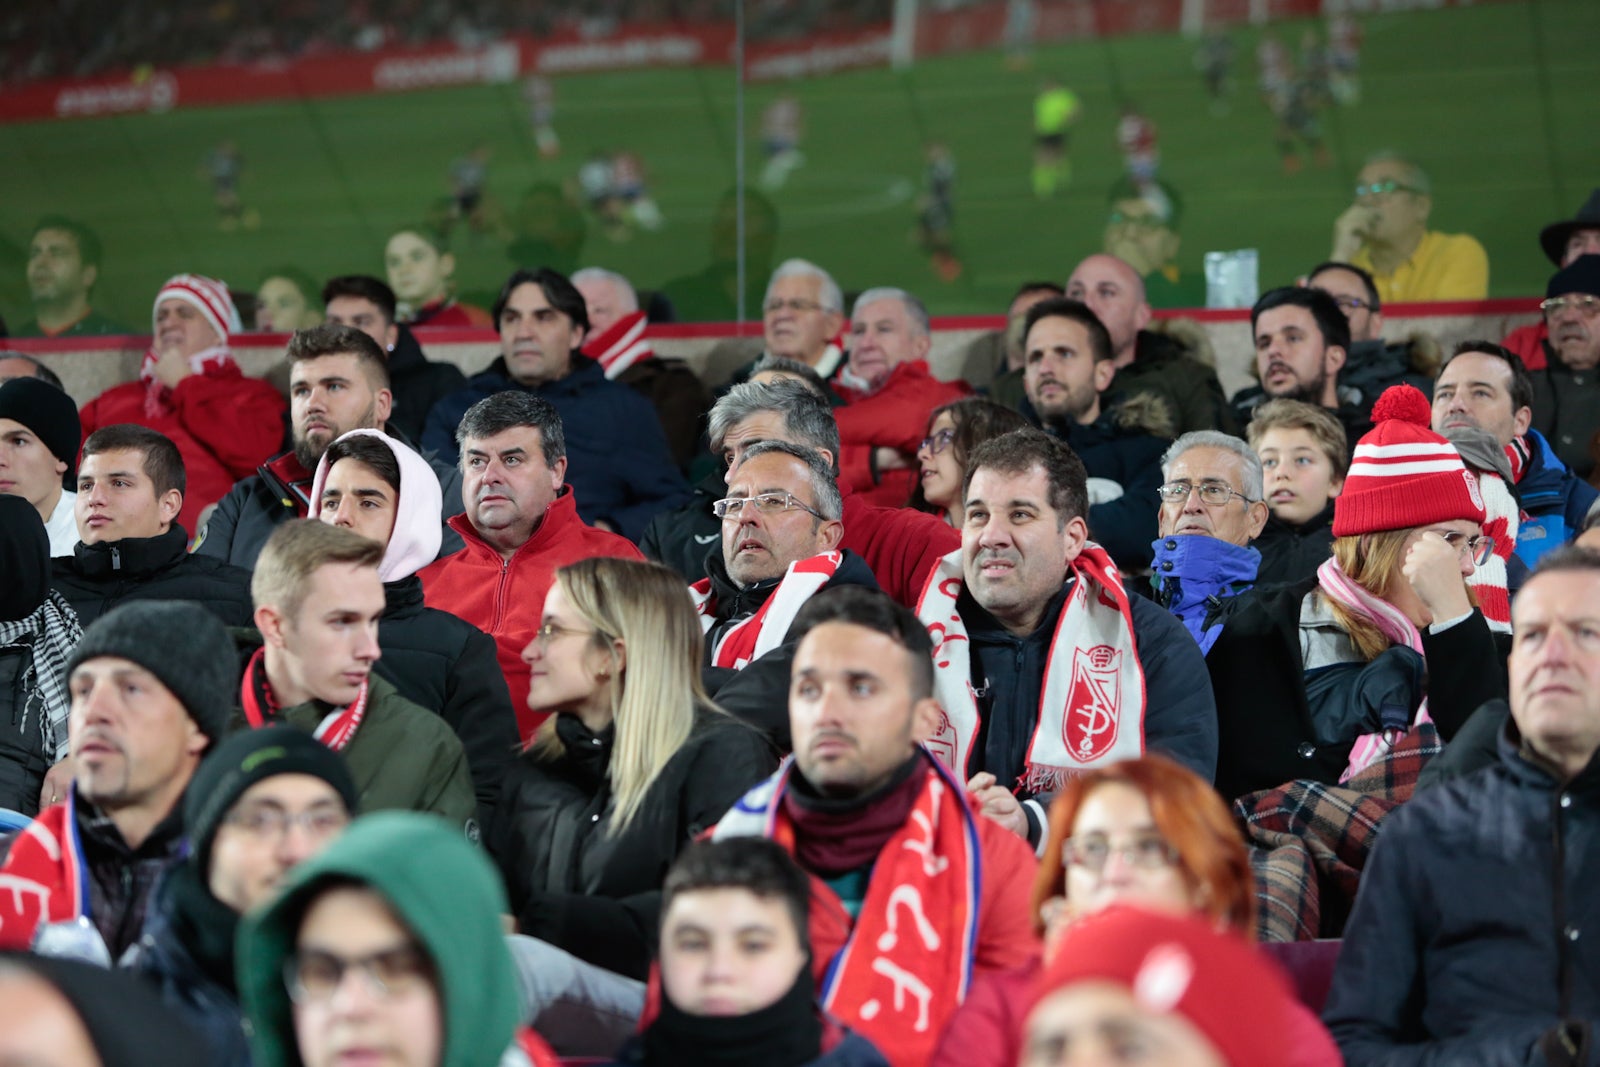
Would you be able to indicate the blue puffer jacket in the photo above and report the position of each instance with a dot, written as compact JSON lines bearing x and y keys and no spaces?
{"x":1554,"y":499}
{"x":618,"y":462}
{"x":1193,"y":574}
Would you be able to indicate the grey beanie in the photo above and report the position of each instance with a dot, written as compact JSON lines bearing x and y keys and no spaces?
{"x":183,"y":645}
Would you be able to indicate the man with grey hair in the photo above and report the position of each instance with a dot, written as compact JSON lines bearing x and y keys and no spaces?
{"x":619,"y":341}
{"x":801,"y":315}
{"x":781,"y":528}
{"x":521,"y":524}
{"x":888,"y":393}
{"x":1385,"y":232}
{"x":900,"y":545}
{"x":1211,"y":509}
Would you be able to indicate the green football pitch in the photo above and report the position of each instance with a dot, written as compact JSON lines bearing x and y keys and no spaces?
{"x":1495,"y":100}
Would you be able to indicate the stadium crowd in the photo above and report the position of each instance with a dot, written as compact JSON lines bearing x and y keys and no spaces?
{"x":845,"y":715}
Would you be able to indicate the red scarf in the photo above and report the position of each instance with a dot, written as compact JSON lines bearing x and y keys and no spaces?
{"x":621,"y":346}
{"x":762,"y":632}
{"x":907,"y":964}
{"x":45,"y":879}
{"x":336,"y":730}
{"x":158,"y":395}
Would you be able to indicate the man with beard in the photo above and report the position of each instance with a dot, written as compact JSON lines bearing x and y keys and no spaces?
{"x":1067,"y":368}
{"x":1566,"y":390}
{"x":338,"y":382}
{"x":1301,"y":339}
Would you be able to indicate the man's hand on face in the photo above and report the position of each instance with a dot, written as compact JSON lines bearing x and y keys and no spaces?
{"x":889,"y":459}
{"x":172,"y":367}
{"x":1350,"y":230}
{"x":996,"y":802}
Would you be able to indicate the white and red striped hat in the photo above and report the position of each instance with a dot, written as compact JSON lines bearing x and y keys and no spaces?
{"x":208,"y":296}
{"x":1403,"y":475}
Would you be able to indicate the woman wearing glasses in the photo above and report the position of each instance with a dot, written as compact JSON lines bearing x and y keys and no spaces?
{"x":1318,"y":678}
{"x":954,"y":430}
{"x":634,"y":765}
{"x":1146,"y":832}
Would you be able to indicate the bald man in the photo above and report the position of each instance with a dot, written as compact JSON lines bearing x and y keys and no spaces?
{"x":1148,"y":362}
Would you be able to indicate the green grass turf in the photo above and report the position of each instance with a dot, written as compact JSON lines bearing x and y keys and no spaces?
{"x":1492,"y":99}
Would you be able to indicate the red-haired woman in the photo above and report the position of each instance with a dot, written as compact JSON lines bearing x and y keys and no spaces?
{"x":1146,"y":832}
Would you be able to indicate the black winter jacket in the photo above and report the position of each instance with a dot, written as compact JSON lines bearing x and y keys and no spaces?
{"x":1123,"y":446}
{"x":417,"y":383}
{"x":683,"y":537}
{"x":98,"y":577}
{"x":1267,"y":732}
{"x":448,"y":666}
{"x":1291,"y":553}
{"x":597,"y":896}
{"x":1477,"y":928}
{"x":759,"y":692}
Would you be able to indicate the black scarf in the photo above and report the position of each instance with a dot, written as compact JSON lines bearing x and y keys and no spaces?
{"x":203,"y":924}
{"x":785,"y":1034}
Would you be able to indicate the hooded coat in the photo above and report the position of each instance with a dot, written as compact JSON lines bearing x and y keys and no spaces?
{"x":436,"y":660}
{"x":438,"y":886}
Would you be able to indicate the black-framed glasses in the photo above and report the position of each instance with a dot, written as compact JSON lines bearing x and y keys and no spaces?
{"x":1583,"y":303}
{"x":271,"y":823}
{"x":936,"y":443}
{"x":1348,"y":304}
{"x":1478,"y":549}
{"x":1388,"y":185}
{"x":311,"y":974}
{"x":792,"y":303}
{"x":551,"y":630}
{"x":765,"y":503}
{"x":1213,"y":493}
{"x":1149,"y":852}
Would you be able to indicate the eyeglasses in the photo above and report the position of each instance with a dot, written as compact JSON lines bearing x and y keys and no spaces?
{"x":1213,"y":494}
{"x":313,"y":975}
{"x":267,"y":823}
{"x":1348,"y":304}
{"x":551,"y":630}
{"x":937,"y":443}
{"x":1478,"y":549}
{"x":794,"y":304}
{"x":1148,"y":853}
{"x":1583,"y":303}
{"x":1388,"y":185}
{"x":765,"y":503}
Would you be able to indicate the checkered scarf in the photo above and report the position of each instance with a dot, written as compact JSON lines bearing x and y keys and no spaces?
{"x":51,"y":633}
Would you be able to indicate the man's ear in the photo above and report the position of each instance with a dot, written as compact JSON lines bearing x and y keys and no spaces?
{"x":197,"y":742}
{"x":1519,"y":422}
{"x":834,"y":321}
{"x":1142,"y":316}
{"x":382,"y":407}
{"x":926,"y":718}
{"x":830,"y":534}
{"x":91,"y":274}
{"x":1258,"y":518}
{"x":558,"y":471}
{"x":921,"y":345}
{"x":169,"y":505}
{"x":1104,"y":371}
{"x":391,"y":337}
{"x":1076,"y":534}
{"x":1336,"y":486}
{"x":447,"y":265}
{"x":270,"y":622}
{"x":1333,"y":358}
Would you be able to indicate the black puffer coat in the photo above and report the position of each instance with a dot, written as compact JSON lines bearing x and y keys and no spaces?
{"x":98,"y":577}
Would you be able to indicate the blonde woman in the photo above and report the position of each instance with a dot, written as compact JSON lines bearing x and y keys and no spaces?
{"x":634,"y":765}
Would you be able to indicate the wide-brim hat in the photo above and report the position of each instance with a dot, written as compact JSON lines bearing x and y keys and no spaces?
{"x":1553,"y":238}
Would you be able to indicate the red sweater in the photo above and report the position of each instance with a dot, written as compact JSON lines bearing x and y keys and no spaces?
{"x":505,"y":598}
{"x":902,"y":546}
{"x":224,"y":424}
{"x":896,"y":416}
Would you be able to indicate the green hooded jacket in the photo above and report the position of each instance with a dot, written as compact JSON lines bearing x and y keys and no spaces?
{"x":440,"y":886}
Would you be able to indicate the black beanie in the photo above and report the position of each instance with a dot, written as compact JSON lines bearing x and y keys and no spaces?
{"x":24,"y":559}
{"x":1582,"y":275}
{"x":245,"y":759}
{"x":50,"y":414}
{"x":183,"y":645}
{"x":128,"y":1023}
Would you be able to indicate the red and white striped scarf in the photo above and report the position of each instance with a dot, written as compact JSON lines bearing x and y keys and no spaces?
{"x":621,"y":346}
{"x":763,"y":631}
{"x":336,"y":730}
{"x":1092,"y":696}
{"x":44,"y":878}
{"x":158,"y":396}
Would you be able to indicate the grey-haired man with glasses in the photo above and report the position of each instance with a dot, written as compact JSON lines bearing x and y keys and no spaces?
{"x":265,"y":802}
{"x":781,"y":527}
{"x":1212,"y":507}
{"x":1566,"y":390}
{"x":1385,"y":232}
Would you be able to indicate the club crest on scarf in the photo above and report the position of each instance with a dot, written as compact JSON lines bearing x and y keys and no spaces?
{"x":1094,"y":704}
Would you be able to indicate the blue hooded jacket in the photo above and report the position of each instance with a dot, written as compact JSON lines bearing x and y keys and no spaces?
{"x":1193,"y":573}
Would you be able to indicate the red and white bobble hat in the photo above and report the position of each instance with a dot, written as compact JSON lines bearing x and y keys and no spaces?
{"x":208,"y":296}
{"x":1403,"y":475}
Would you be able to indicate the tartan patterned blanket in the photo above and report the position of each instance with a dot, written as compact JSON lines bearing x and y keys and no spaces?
{"x":1309,"y":841}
